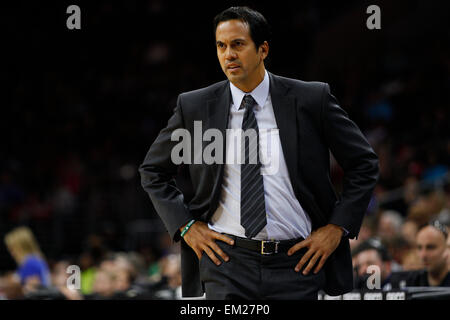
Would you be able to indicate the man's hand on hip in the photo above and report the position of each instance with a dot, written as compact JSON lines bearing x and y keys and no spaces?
{"x":200,"y":238}
{"x":321,"y":244}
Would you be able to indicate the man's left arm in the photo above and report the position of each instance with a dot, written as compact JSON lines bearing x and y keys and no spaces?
{"x":358,"y":160}
{"x":360,"y":164}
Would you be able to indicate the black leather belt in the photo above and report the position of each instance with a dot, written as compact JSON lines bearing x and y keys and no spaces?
{"x":264,"y":247}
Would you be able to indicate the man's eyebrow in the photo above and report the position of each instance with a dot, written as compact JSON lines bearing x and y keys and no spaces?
{"x":234,"y":40}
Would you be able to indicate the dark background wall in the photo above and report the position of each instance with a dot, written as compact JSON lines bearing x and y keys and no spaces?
{"x":80,"y":108}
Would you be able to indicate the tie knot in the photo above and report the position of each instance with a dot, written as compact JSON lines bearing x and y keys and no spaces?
{"x":248,"y":102}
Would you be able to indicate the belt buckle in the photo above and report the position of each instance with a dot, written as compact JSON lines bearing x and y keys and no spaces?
{"x":263,"y":242}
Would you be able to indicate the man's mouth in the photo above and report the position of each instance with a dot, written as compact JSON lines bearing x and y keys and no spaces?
{"x":233,"y":67}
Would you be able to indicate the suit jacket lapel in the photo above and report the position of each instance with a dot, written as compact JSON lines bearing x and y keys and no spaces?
{"x":218,"y":111}
{"x":218,"y":108}
{"x":217,"y":114}
{"x":284,"y":107}
{"x":287,"y":111}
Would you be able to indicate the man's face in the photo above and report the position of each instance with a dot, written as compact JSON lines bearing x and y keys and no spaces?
{"x":386,"y":228}
{"x":431,"y":247}
{"x":367,"y":258}
{"x":240,"y":60}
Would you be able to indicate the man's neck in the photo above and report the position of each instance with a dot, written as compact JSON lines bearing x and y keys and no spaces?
{"x":435,"y":277}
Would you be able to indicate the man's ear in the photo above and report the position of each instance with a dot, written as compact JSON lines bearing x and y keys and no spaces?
{"x":264,"y":49}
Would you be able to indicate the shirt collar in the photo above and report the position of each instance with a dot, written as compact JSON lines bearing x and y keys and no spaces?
{"x":260,"y":93}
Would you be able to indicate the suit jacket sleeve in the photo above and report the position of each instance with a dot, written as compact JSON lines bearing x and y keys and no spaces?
{"x":158,"y":177}
{"x":356,"y":157}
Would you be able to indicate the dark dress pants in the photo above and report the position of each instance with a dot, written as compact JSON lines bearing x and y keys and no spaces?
{"x":253,"y":276}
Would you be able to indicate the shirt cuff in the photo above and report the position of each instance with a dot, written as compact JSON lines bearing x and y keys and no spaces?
{"x":345,"y":233}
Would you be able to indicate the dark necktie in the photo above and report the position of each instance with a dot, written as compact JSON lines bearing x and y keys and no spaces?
{"x":253,"y":206}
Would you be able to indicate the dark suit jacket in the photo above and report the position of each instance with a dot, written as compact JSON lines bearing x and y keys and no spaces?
{"x":311,"y":124}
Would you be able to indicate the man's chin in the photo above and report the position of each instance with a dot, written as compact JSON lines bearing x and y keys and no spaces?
{"x":233,"y":77}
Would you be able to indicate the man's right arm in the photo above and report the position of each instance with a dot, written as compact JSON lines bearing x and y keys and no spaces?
{"x":158,"y":173}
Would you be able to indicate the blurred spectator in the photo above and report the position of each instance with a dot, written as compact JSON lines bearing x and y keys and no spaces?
{"x":103,"y":284}
{"x":140,"y":272}
{"x":125,"y":274}
{"x":60,"y":277}
{"x":389,"y":225}
{"x":432,"y":251}
{"x":372,"y":253}
{"x":170,"y":268}
{"x":32,"y":271}
{"x":409,"y":231}
{"x":398,"y":248}
{"x":58,"y":273}
{"x":10,"y":288}
{"x":116,"y":278}
{"x":170,"y":283}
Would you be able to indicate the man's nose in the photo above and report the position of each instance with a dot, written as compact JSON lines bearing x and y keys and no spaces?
{"x":230,"y":54}
{"x":362,"y":270}
{"x":422,"y":254}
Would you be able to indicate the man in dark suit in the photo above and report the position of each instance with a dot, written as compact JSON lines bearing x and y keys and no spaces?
{"x":260,"y":233}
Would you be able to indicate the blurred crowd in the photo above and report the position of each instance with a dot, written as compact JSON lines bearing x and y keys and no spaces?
{"x":412,"y":251}
{"x":96,"y":274}
{"x":82,"y":109}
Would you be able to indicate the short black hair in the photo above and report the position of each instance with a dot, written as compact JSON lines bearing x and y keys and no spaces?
{"x":259,"y":28}
{"x":373,"y":244}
